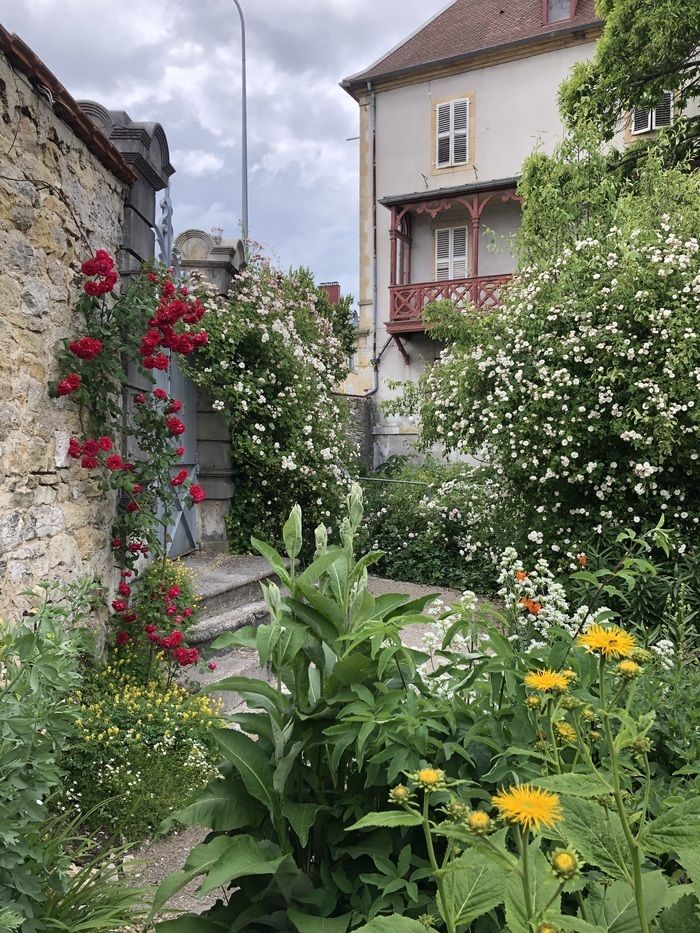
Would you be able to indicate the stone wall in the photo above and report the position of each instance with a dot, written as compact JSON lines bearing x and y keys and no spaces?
{"x":63,"y":203}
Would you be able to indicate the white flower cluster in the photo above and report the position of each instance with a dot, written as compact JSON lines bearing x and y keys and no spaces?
{"x":584,"y":399}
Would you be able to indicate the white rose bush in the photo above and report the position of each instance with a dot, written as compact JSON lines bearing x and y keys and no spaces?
{"x":582,"y":390}
{"x":272,"y":365}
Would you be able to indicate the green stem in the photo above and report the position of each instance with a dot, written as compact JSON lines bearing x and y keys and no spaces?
{"x":550,"y":728}
{"x":447,"y":916}
{"x":522,"y":840}
{"x":619,"y":803}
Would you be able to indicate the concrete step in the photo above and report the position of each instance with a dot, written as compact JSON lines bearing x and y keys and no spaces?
{"x":229,"y":620}
{"x":226,"y":582}
{"x":236,"y":662}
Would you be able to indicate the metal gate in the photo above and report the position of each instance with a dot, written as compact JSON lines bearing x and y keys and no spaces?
{"x":182,"y":530}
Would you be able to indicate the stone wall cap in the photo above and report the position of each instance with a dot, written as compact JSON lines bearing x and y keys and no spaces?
{"x":24,"y":60}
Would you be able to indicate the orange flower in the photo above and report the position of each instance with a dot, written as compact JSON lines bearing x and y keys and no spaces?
{"x":520,"y":576}
{"x":582,"y":560}
{"x":532,"y":606}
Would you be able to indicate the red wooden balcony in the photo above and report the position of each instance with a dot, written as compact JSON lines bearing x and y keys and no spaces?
{"x":406,"y":302}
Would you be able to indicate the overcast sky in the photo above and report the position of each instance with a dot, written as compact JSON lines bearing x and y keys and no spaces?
{"x":178,"y":62}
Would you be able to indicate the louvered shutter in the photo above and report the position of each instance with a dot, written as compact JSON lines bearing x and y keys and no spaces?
{"x":641,"y":120}
{"x":443,"y":123}
{"x":459,"y":253}
{"x":450,"y":253}
{"x":663,"y":112}
{"x":442,"y":254}
{"x":460,"y":132}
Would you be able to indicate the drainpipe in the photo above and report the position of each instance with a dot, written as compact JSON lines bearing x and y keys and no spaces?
{"x":373,"y":125}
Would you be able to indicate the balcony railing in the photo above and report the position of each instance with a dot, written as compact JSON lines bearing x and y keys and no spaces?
{"x":407,"y":301}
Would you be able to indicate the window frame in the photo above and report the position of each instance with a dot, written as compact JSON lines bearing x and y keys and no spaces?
{"x":451,"y":257}
{"x":652,"y":125}
{"x":452,"y":134}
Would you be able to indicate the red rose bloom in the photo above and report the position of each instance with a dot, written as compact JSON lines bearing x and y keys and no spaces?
{"x":132,"y":507}
{"x":116,"y":543}
{"x":86,"y":348}
{"x":119,"y":605}
{"x":129,"y":617}
{"x":91,"y":448}
{"x":127,"y":573}
{"x":200,"y":339}
{"x":149,"y":629}
{"x":122,"y":638}
{"x":139,"y":398}
{"x":70,"y":384}
{"x":152,"y":277}
{"x":171,"y":610}
{"x":168,"y":289}
{"x":196,"y":493}
{"x":179,"y":451}
{"x":113,"y":462}
{"x":135,"y":547}
{"x":161,"y":394}
{"x":137,"y":489}
{"x":124,"y":589}
{"x":175,"y":426}
{"x":105,"y":443}
{"x":212,"y":665}
{"x":185,"y":656}
{"x":173,"y":592}
{"x":187,"y":612}
{"x":174,"y":406}
{"x":160,"y":361}
{"x":179,"y":478}
{"x":88,"y":463}
{"x":173,"y":640}
{"x":75,"y":449}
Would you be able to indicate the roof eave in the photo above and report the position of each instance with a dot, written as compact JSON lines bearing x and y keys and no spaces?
{"x":355,"y":83}
{"x":437,"y":194}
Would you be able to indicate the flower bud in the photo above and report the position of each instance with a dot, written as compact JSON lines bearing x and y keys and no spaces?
{"x":478,"y":822}
{"x":565,"y":864}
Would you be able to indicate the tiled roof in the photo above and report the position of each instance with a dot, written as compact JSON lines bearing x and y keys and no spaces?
{"x":26,"y":61}
{"x":470,"y":26}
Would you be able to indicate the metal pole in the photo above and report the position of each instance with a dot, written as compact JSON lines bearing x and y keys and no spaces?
{"x":244,"y":139}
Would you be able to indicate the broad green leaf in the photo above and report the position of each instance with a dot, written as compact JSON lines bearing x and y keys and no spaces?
{"x":473,"y":885}
{"x":597,"y":834}
{"x":242,"y":638}
{"x":391,"y":924}
{"x":251,"y":762}
{"x":569,"y":924}
{"x":291,"y":642}
{"x":243,"y":856}
{"x":266,"y":638}
{"x":331,"y":610}
{"x":274,"y":559}
{"x":543,"y":888}
{"x":324,"y":630}
{"x":575,"y":785}
{"x":248,"y":687}
{"x":615,"y":908}
{"x":677,"y":830}
{"x":284,"y":766}
{"x":308,"y":923}
{"x":301,"y":818}
{"x":683,"y":917}
{"x":320,"y":565}
{"x":390,"y":818}
{"x":222,"y":806}
{"x":291,"y":532}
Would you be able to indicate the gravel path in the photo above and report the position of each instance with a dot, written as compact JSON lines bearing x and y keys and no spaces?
{"x":163,"y":856}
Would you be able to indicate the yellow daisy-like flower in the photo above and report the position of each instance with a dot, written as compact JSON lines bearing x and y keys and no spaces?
{"x":566,"y":732}
{"x":628,"y":669}
{"x":565,"y":863}
{"x":479,"y":823}
{"x":608,"y":641}
{"x":430,"y":778}
{"x":547,"y":928}
{"x":529,"y":806}
{"x":546,"y":680}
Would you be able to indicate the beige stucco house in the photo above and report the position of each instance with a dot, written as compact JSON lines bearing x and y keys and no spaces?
{"x":446,"y":120}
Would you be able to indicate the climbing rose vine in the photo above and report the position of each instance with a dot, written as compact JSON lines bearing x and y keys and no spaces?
{"x":153,"y":320}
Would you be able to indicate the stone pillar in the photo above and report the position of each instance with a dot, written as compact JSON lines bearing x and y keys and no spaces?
{"x":219,"y":261}
{"x":144,"y":147}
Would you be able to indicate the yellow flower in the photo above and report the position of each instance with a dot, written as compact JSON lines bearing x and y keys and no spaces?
{"x":479,"y":822}
{"x":547,"y":928}
{"x":570,"y":675}
{"x":431,"y":778}
{"x":628,"y":669}
{"x":565,"y":732}
{"x":399,"y":794}
{"x":565,"y":863}
{"x":546,"y":680}
{"x":529,"y":806}
{"x":533,"y":701}
{"x":608,"y":641}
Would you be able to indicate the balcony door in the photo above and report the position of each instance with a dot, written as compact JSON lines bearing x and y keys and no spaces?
{"x":451,"y":253}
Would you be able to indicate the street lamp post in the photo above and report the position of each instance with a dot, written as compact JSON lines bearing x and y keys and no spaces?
{"x":244,"y":135}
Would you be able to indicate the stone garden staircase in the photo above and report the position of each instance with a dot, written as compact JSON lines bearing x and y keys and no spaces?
{"x":230,"y":593}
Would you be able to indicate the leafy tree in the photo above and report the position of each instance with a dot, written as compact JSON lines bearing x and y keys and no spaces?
{"x":646,"y":48}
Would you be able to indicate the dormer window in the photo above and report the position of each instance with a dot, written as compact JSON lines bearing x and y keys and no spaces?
{"x":557,"y":11}
{"x":646,"y":119}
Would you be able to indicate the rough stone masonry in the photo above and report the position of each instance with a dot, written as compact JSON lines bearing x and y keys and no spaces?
{"x":54,"y":521}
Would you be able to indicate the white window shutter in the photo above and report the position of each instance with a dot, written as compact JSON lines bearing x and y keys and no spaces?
{"x":460,"y":132}
{"x":442,"y":254}
{"x":459,"y":253}
{"x":451,"y":253}
{"x":641,"y":120}
{"x":663,"y":112}
{"x":443,"y":125}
